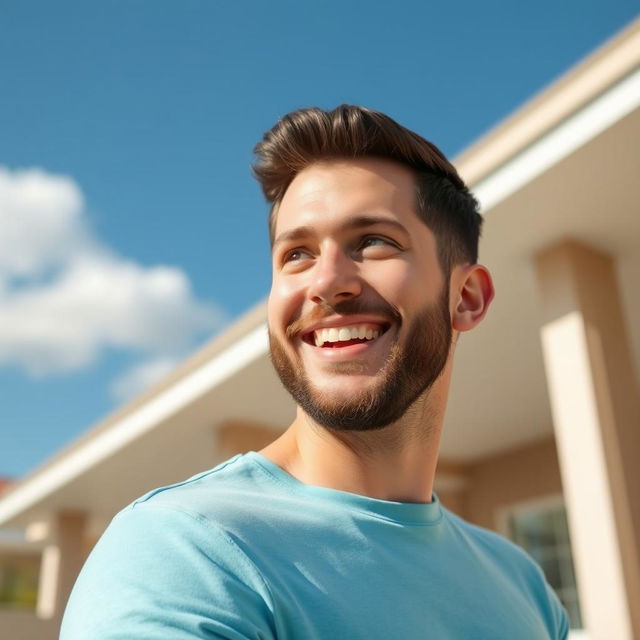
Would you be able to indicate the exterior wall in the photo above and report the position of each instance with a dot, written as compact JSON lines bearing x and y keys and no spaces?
{"x":240,"y":437}
{"x":519,"y":475}
{"x":451,"y":483}
{"x":18,"y":625}
{"x":454,"y":500}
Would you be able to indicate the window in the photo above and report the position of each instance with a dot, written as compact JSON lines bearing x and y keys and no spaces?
{"x":19,"y":581}
{"x":541,"y":529}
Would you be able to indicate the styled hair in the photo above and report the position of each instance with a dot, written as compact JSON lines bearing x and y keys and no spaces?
{"x":307,"y":136}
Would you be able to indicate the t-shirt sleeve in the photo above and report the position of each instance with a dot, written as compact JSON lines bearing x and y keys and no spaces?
{"x":555,"y":615}
{"x":160,"y":573}
{"x":558,"y":615}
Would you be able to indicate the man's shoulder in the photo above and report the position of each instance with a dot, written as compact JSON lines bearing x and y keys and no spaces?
{"x":167,"y":563}
{"x":486,"y":538}
{"x":231,"y":486}
{"x":505,"y":556}
{"x":508,"y":561}
{"x":200,"y":517}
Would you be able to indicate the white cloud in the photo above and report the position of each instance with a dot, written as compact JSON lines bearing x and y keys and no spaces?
{"x":41,"y":221}
{"x":141,"y":377}
{"x":65,"y":297}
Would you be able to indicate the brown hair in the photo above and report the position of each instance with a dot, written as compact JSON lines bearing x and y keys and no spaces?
{"x":303,"y":137}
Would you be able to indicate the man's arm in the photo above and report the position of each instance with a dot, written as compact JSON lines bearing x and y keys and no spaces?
{"x":159,"y":573}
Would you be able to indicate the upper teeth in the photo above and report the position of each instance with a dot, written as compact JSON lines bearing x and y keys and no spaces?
{"x":335,"y":334}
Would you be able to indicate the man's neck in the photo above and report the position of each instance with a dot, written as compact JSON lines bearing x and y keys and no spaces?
{"x":395,"y":463}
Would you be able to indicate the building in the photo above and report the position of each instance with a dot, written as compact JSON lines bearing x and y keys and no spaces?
{"x":543,"y":423}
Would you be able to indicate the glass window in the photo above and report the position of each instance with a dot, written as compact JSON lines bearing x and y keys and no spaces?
{"x":19,"y":581}
{"x":542,"y":531}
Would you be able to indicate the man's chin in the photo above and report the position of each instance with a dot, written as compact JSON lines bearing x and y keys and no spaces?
{"x":343,"y":389}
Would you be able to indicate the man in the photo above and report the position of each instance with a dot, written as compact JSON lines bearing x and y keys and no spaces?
{"x":333,"y":530}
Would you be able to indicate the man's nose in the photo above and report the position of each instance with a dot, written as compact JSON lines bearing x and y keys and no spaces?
{"x":335,"y":277}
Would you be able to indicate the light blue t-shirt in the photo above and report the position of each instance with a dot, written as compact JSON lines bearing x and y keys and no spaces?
{"x":245,"y":551}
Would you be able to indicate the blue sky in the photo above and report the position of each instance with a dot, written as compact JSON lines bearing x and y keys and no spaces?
{"x":131,"y":230}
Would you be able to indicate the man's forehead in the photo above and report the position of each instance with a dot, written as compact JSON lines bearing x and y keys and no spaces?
{"x":349,"y":187}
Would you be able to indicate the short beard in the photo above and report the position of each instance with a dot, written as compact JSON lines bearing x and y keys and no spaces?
{"x":409,"y":371}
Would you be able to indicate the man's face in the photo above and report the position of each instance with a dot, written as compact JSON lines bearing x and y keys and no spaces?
{"x":359,"y":322}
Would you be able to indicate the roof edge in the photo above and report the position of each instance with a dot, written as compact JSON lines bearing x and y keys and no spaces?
{"x":249,"y":321}
{"x":585,"y":81}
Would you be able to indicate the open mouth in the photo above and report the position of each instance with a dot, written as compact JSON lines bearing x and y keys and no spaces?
{"x":335,"y":337}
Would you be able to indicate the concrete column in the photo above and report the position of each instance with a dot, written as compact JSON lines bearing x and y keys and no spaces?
{"x":62,"y":559}
{"x":596,"y":412}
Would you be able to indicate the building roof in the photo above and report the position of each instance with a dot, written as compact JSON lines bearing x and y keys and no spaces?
{"x":5,"y":483}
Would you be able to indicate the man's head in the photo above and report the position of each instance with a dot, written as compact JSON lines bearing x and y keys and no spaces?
{"x":368,"y":221}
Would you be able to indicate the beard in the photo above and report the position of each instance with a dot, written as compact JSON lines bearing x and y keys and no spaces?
{"x":409,"y":370}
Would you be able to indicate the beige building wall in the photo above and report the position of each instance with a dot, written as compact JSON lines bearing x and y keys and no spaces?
{"x":26,"y":626}
{"x":521,"y":475}
{"x":240,"y":437}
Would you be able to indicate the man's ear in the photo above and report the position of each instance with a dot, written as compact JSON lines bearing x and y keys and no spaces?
{"x":473,"y":293}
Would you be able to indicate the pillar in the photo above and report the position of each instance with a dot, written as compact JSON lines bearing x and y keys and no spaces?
{"x":596,"y":413}
{"x":62,"y":559}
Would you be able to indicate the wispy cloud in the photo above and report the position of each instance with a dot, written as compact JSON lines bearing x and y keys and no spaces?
{"x":141,"y":376}
{"x":66,"y":297}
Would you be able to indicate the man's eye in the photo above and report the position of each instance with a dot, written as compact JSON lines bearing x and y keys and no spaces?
{"x":373,"y":241}
{"x":377,"y":241}
{"x":295,"y":255}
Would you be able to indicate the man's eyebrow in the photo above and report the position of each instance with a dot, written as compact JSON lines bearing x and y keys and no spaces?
{"x":293,"y":234}
{"x":357,"y":222}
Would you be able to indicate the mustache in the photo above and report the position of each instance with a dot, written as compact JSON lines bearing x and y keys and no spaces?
{"x":350,"y":307}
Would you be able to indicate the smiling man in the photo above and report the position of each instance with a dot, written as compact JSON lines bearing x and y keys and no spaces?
{"x":333,"y":531}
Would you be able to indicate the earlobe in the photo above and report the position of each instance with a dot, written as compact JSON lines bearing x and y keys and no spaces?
{"x":474,"y":295}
